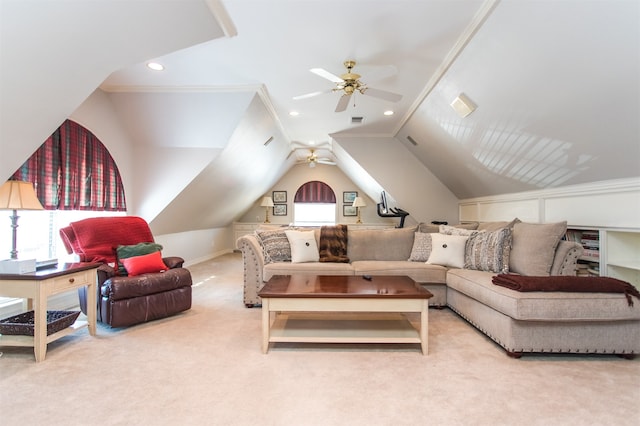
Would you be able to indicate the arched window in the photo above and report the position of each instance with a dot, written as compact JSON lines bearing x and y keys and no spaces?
{"x":314,"y":205}
{"x":75,"y":177}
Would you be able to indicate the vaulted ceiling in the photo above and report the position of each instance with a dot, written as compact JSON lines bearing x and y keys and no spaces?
{"x":556,"y":84}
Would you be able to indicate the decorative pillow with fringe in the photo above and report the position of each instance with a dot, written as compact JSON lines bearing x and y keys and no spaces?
{"x":275,"y":245}
{"x":489,"y":251}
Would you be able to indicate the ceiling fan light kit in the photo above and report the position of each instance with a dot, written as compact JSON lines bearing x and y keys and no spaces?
{"x":312,"y":159}
{"x":349,"y":83}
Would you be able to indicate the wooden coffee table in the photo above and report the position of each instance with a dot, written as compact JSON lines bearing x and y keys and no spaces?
{"x":343,"y":309}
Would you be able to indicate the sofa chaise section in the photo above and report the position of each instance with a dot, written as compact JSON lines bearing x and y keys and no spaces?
{"x":545,"y":321}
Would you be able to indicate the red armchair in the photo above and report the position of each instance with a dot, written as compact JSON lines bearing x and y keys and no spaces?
{"x":125,"y":300}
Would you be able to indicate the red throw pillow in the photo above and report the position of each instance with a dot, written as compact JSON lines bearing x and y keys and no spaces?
{"x":143,"y":264}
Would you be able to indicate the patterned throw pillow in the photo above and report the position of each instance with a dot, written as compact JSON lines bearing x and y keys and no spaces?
{"x":275,"y":245}
{"x":489,"y":251}
{"x":421,"y":247}
{"x":455,"y":230}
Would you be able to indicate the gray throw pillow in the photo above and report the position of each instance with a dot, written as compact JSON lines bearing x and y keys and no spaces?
{"x":534,"y":247}
{"x":421,"y":247}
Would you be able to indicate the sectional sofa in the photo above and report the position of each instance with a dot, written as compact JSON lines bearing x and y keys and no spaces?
{"x":457,"y":264}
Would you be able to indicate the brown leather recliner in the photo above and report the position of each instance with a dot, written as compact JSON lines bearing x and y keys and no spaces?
{"x":124,"y":300}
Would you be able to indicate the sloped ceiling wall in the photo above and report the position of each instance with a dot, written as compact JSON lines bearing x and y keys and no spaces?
{"x":231,"y":183}
{"x":558,"y":93}
{"x":55,"y":54}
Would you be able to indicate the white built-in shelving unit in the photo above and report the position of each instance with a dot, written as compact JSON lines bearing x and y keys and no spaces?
{"x":610,"y":252}
{"x":621,"y":257}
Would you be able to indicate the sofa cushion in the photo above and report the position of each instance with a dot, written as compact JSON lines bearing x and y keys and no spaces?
{"x":313,"y":268}
{"x":418,"y":271}
{"x":541,"y":306}
{"x":447,"y":250}
{"x":488,"y":251}
{"x":534,"y":247}
{"x":275,"y":245}
{"x":303,"y":246}
{"x":421,"y":247}
{"x":376,"y":244}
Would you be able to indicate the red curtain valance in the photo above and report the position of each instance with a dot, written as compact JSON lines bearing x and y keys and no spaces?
{"x":72,"y":170}
{"x":315,"y":192}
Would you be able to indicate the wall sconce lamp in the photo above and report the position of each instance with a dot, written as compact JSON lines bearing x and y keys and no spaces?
{"x":358,"y":203}
{"x":267,"y":202}
{"x":17,"y":195}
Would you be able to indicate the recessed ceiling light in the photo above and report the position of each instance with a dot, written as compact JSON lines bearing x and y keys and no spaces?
{"x":389,"y":112}
{"x":294,"y":113}
{"x":155,"y":66}
{"x":312,"y":142}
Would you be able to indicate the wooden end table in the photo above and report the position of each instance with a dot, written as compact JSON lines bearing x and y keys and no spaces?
{"x":36,"y":287}
{"x":338,"y":309}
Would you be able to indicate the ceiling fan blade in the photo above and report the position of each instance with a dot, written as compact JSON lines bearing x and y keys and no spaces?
{"x":326,"y":161}
{"x":311,"y":95}
{"x":377,"y":73}
{"x":326,"y":74}
{"x":342,"y":103}
{"x":382,"y":94}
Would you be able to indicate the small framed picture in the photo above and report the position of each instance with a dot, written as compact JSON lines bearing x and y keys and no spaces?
{"x":279,"y":197}
{"x":348,"y":210}
{"x":348,"y":197}
{"x":280,"y":210}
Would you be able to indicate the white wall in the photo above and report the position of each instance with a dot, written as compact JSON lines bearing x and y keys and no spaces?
{"x":407,"y":181}
{"x":614,"y":203}
{"x":197,"y":246}
{"x":97,"y":114}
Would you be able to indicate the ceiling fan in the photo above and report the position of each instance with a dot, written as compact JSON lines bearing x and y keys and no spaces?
{"x":313,"y":159}
{"x":348,"y":84}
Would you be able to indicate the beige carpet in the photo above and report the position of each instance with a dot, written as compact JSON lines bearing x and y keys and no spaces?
{"x":205,"y":367}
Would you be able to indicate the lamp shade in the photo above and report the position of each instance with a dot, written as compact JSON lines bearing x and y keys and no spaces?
{"x":359,"y":202}
{"x":19,"y":195}
{"x":266,"y":202}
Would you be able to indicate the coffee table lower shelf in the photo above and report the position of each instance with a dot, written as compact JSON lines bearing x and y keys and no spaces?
{"x":341,"y":327}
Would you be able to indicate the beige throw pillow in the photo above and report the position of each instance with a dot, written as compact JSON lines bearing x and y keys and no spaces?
{"x":534,"y":247}
{"x":454,"y":230}
{"x":447,"y":250}
{"x":303,"y":246}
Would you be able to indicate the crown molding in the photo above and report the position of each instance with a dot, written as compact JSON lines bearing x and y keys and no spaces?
{"x":182,"y":89}
{"x":592,"y":188}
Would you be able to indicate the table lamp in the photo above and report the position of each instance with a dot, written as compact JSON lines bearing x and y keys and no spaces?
{"x":17,"y":195}
{"x":358,"y":203}
{"x":267,"y":202}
